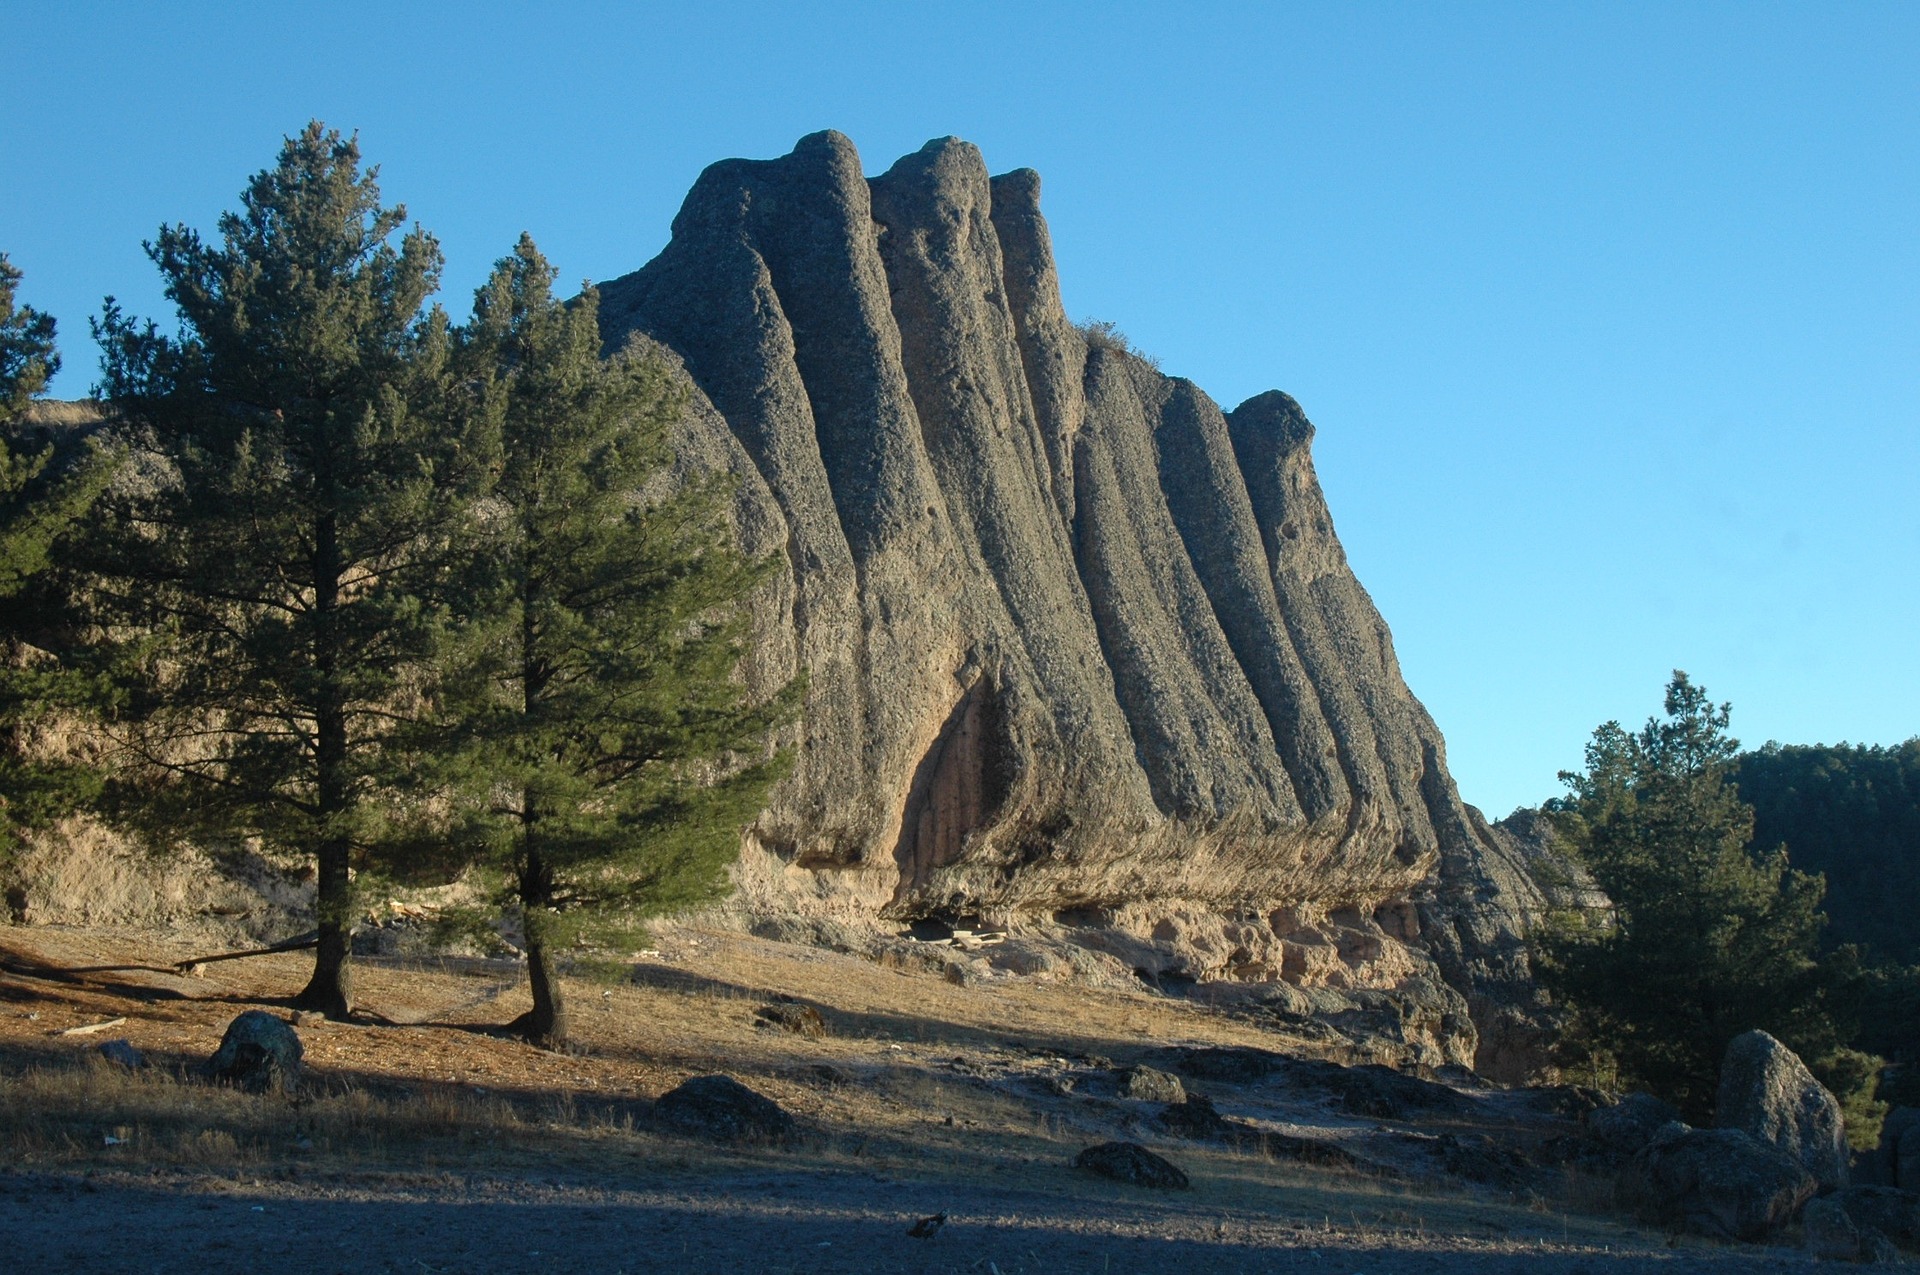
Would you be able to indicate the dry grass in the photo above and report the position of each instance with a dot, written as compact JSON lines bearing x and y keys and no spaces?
{"x":928,"y":1084}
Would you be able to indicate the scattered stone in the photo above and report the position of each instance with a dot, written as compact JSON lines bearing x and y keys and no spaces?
{"x":121,"y":1053}
{"x":795,"y":1017}
{"x":1474,"y":1157}
{"x":927,"y":1227}
{"x":1234,"y":1064}
{"x":1899,"y":1153}
{"x":1766,"y":1091}
{"x":722,"y":1108}
{"x":1373,"y":1090}
{"x":307,"y":1017}
{"x":1149,"y":1084}
{"x":1827,"y":1233}
{"x":1722,"y":1183}
{"x":1131,"y":1163}
{"x":1889,"y":1210}
{"x":1631,"y":1123}
{"x":258,"y":1053}
{"x":1194,"y":1117}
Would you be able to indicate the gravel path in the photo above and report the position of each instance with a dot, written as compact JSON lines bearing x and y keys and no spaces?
{"x":802,"y":1222}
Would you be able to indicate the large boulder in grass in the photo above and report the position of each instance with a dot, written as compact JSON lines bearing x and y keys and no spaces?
{"x":1722,"y":1183}
{"x":1766,"y":1091}
{"x":1131,"y":1163}
{"x":259,"y":1053}
{"x":723,"y":1109}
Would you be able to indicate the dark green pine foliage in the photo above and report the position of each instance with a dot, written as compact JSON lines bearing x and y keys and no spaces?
{"x":308,"y":483}
{"x":45,"y":490}
{"x":613,"y":752}
{"x":1851,"y":813}
{"x":1707,"y":939}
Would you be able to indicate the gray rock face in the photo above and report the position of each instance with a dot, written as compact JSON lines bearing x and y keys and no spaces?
{"x":259,"y":1053}
{"x":1718,"y":1182}
{"x":1079,"y":644}
{"x":1766,"y":1091}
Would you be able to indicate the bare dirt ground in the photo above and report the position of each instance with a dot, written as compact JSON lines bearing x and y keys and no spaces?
{"x":423,"y":1142}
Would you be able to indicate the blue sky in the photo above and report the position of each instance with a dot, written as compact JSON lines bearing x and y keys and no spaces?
{"x":1609,"y":315}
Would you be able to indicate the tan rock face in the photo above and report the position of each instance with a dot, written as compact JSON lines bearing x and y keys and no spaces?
{"x":1077,"y":641}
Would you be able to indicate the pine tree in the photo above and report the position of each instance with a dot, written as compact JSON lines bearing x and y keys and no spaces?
{"x":1707,"y":938}
{"x":45,"y":489}
{"x":308,"y":486}
{"x":613,"y":753}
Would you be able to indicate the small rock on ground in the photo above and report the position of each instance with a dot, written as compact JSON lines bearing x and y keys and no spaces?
{"x":258,"y":1053}
{"x":1132,"y":1163}
{"x":722,"y":1108}
{"x":795,"y":1017}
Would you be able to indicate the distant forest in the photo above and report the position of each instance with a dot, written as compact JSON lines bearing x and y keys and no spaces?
{"x":1851,"y":812}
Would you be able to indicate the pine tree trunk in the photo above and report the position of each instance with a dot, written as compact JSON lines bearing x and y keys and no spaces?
{"x":546,"y":1023}
{"x":331,"y":989}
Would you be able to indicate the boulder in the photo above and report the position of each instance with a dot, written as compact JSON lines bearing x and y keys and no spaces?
{"x":792,"y":1016}
{"x":121,"y":1053}
{"x":1373,"y":1090}
{"x":721,"y":1108}
{"x":1827,"y":1233}
{"x":258,"y":1053}
{"x":1890,"y":1211}
{"x":1131,"y":1163}
{"x":1899,"y":1154}
{"x":1722,"y":1183}
{"x":1149,"y":1084}
{"x":1630,"y":1124}
{"x":1194,"y":1117}
{"x":1766,"y":1091}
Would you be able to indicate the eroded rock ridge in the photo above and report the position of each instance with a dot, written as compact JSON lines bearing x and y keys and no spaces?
{"x":1083,"y":651}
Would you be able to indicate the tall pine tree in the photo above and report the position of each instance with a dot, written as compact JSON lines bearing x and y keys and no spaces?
{"x":1708,"y":939}
{"x":612,"y":753}
{"x":45,"y":489}
{"x":308,"y":488}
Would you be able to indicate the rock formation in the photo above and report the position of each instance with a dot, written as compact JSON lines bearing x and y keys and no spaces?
{"x":1083,"y":651}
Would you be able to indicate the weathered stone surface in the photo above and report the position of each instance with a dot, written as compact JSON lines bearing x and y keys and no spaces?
{"x":1718,"y":1182}
{"x":1889,"y":1210}
{"x":259,"y":1052}
{"x":1149,"y":1084}
{"x":1631,"y":1123}
{"x":1765,"y":1090}
{"x":1078,"y":643}
{"x":1827,"y":1233}
{"x":1899,"y":1153}
{"x":1131,"y":1163}
{"x":1194,"y":1117}
{"x":721,"y":1108}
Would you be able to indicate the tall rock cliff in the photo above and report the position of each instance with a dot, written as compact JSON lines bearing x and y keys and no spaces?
{"x":1084,"y":654}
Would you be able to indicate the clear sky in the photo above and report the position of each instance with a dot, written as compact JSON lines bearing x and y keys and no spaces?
{"x":1608,"y":315}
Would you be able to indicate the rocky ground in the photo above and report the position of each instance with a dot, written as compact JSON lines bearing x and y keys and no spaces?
{"x":419,"y":1140}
